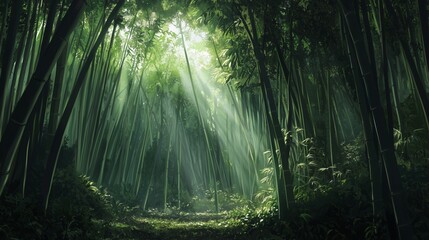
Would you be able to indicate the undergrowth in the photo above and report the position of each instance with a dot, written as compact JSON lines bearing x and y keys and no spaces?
{"x":324,"y":209}
{"x":77,"y":210}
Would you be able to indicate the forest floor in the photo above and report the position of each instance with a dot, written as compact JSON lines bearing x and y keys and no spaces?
{"x":195,"y":226}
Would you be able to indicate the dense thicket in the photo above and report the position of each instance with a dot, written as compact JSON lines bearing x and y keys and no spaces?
{"x":199,"y":105}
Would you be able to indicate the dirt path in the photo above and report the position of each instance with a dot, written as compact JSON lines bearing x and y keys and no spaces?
{"x":189,"y":227}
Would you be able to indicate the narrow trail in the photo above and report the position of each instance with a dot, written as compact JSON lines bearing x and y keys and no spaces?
{"x":190,"y":227}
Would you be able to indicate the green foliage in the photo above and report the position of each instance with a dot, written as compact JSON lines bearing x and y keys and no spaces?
{"x":78,"y":210}
{"x":125,"y":194}
{"x":340,"y":211}
{"x":326,"y":208}
{"x":416,"y":182}
{"x":266,"y":199}
{"x":411,"y":141}
{"x":316,"y":23}
{"x":20,"y":219}
{"x":204,"y":202}
{"x":71,"y":190}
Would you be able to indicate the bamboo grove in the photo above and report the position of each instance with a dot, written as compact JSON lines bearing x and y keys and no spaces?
{"x":165,"y":100}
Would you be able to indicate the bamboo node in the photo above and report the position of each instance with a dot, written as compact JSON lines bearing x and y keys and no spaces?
{"x":384,"y":150}
{"x":348,"y":13}
{"x":18,"y":122}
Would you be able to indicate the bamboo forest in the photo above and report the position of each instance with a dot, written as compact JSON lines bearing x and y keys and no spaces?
{"x":214,"y":119}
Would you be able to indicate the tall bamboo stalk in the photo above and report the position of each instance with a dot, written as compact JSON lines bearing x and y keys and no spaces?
{"x":7,"y":61}
{"x":208,"y":144}
{"x":271,"y":110}
{"x":419,"y":83}
{"x":424,"y":25}
{"x":369,"y":80}
{"x":15,"y":127}
{"x":58,"y":138}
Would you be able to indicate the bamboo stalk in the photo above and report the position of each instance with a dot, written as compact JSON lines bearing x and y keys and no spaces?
{"x":58,"y":138}
{"x":15,"y":127}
